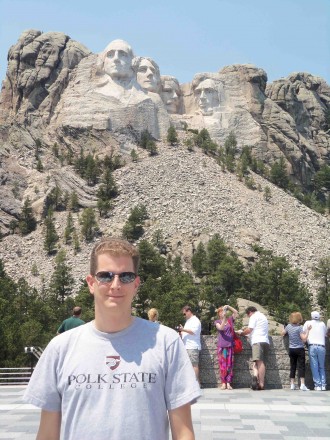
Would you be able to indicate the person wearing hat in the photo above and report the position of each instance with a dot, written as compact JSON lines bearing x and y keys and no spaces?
{"x":316,"y":332}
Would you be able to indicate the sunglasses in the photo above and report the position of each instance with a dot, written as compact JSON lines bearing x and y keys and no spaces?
{"x":108,"y":277}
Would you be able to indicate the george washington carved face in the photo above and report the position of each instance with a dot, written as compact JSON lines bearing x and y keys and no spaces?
{"x":118,"y":60}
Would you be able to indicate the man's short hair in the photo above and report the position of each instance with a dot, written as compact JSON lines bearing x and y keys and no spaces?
{"x":77,"y":311}
{"x":116,"y":247}
{"x":187,"y":309}
{"x":250,"y":309}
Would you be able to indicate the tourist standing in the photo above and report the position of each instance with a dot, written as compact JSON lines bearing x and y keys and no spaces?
{"x":225,"y":345}
{"x":119,"y":376}
{"x":297,"y":337}
{"x":72,"y":322}
{"x":316,"y":333}
{"x":258,"y":329}
{"x":191,"y":337}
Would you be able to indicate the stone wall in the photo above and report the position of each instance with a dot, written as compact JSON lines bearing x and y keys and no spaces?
{"x":277,"y":365}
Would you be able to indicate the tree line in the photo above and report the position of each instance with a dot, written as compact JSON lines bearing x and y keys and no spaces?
{"x":30,"y":318}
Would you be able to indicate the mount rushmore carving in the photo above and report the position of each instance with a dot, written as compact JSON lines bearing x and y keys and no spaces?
{"x":54,"y":81}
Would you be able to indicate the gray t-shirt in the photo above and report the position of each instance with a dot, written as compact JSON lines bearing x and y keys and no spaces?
{"x":114,"y":385}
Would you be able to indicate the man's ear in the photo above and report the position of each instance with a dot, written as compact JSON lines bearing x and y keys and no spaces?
{"x":137,"y":282}
{"x":90,"y":281}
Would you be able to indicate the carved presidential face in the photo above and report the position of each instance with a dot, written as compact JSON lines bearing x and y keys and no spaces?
{"x":118,"y":60}
{"x":207,"y":96}
{"x":171,"y":95}
{"x":148,"y":76}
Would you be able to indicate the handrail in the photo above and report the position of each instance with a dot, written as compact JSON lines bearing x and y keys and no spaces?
{"x":15,"y":376}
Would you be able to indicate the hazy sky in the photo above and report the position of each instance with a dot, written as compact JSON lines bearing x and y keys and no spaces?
{"x":186,"y":36}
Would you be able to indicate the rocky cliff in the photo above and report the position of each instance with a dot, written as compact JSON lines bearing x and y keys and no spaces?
{"x":57,"y":93}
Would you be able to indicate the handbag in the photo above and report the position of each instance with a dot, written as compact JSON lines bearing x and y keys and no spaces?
{"x":238,"y":344}
{"x":237,"y":341}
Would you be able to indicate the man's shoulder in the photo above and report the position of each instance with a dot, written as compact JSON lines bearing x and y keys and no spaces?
{"x":156,"y":327}
{"x":195,"y":318}
{"x":68,"y":336}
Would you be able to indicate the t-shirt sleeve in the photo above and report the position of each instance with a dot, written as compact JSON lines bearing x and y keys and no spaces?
{"x":42,"y":390}
{"x":181,"y":386}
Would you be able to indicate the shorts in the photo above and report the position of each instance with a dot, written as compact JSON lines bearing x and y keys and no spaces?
{"x":193,"y":356}
{"x":259,"y":351}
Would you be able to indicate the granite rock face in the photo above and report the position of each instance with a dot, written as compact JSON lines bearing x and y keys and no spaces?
{"x":38,"y":70}
{"x":57,"y":91}
{"x":55,"y":81}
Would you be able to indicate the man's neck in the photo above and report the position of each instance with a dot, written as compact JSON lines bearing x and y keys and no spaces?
{"x":113,"y":322}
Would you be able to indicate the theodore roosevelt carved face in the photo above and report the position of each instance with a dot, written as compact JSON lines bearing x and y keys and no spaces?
{"x":171,"y":93}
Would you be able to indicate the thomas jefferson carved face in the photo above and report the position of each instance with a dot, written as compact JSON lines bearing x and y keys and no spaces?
{"x":171,"y":94}
{"x":148,"y":75}
{"x":118,"y":60}
{"x":207,"y":96}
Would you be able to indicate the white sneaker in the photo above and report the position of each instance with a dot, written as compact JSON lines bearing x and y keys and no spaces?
{"x":317,"y":389}
{"x":304,"y":388}
{"x":323,"y":388}
{"x":292,"y":386}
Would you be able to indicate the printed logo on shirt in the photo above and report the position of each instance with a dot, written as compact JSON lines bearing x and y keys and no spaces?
{"x":112,"y":362}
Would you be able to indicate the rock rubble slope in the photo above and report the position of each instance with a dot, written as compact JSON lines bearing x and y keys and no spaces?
{"x":190,"y":199}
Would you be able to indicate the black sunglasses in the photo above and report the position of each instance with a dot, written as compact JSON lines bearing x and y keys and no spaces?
{"x":108,"y":277}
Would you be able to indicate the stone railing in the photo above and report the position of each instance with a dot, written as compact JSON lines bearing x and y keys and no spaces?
{"x":277,"y":365}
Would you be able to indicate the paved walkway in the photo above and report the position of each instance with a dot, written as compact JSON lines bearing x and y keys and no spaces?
{"x":238,"y":414}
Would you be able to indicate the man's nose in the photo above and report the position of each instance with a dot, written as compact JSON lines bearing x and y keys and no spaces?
{"x":116,"y":55}
{"x":116,"y":282}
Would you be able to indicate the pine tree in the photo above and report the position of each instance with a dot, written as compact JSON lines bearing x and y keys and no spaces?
{"x":199,"y":260}
{"x":51,"y":236}
{"x":152,"y":148}
{"x":40,"y":167}
{"x":61,"y":281}
{"x":68,"y":229}
{"x":27,"y":222}
{"x":76,"y":242}
{"x":322,"y":273}
{"x":89,"y":225}
{"x":38,"y":148}
{"x":279,"y":175}
{"x":74,"y":202}
{"x":145,"y":137}
{"x":172,"y":136}
{"x":134,"y":155}
{"x":133,"y":228}
{"x":267,"y":193}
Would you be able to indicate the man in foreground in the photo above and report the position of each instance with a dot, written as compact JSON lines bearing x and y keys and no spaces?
{"x":72,"y":322}
{"x":191,"y":337}
{"x":258,"y":328}
{"x":117,"y":377}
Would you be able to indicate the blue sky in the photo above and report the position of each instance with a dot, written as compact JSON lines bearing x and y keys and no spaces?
{"x":187,"y":36}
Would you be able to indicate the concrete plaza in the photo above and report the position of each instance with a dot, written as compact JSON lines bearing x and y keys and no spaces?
{"x":238,"y":414}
